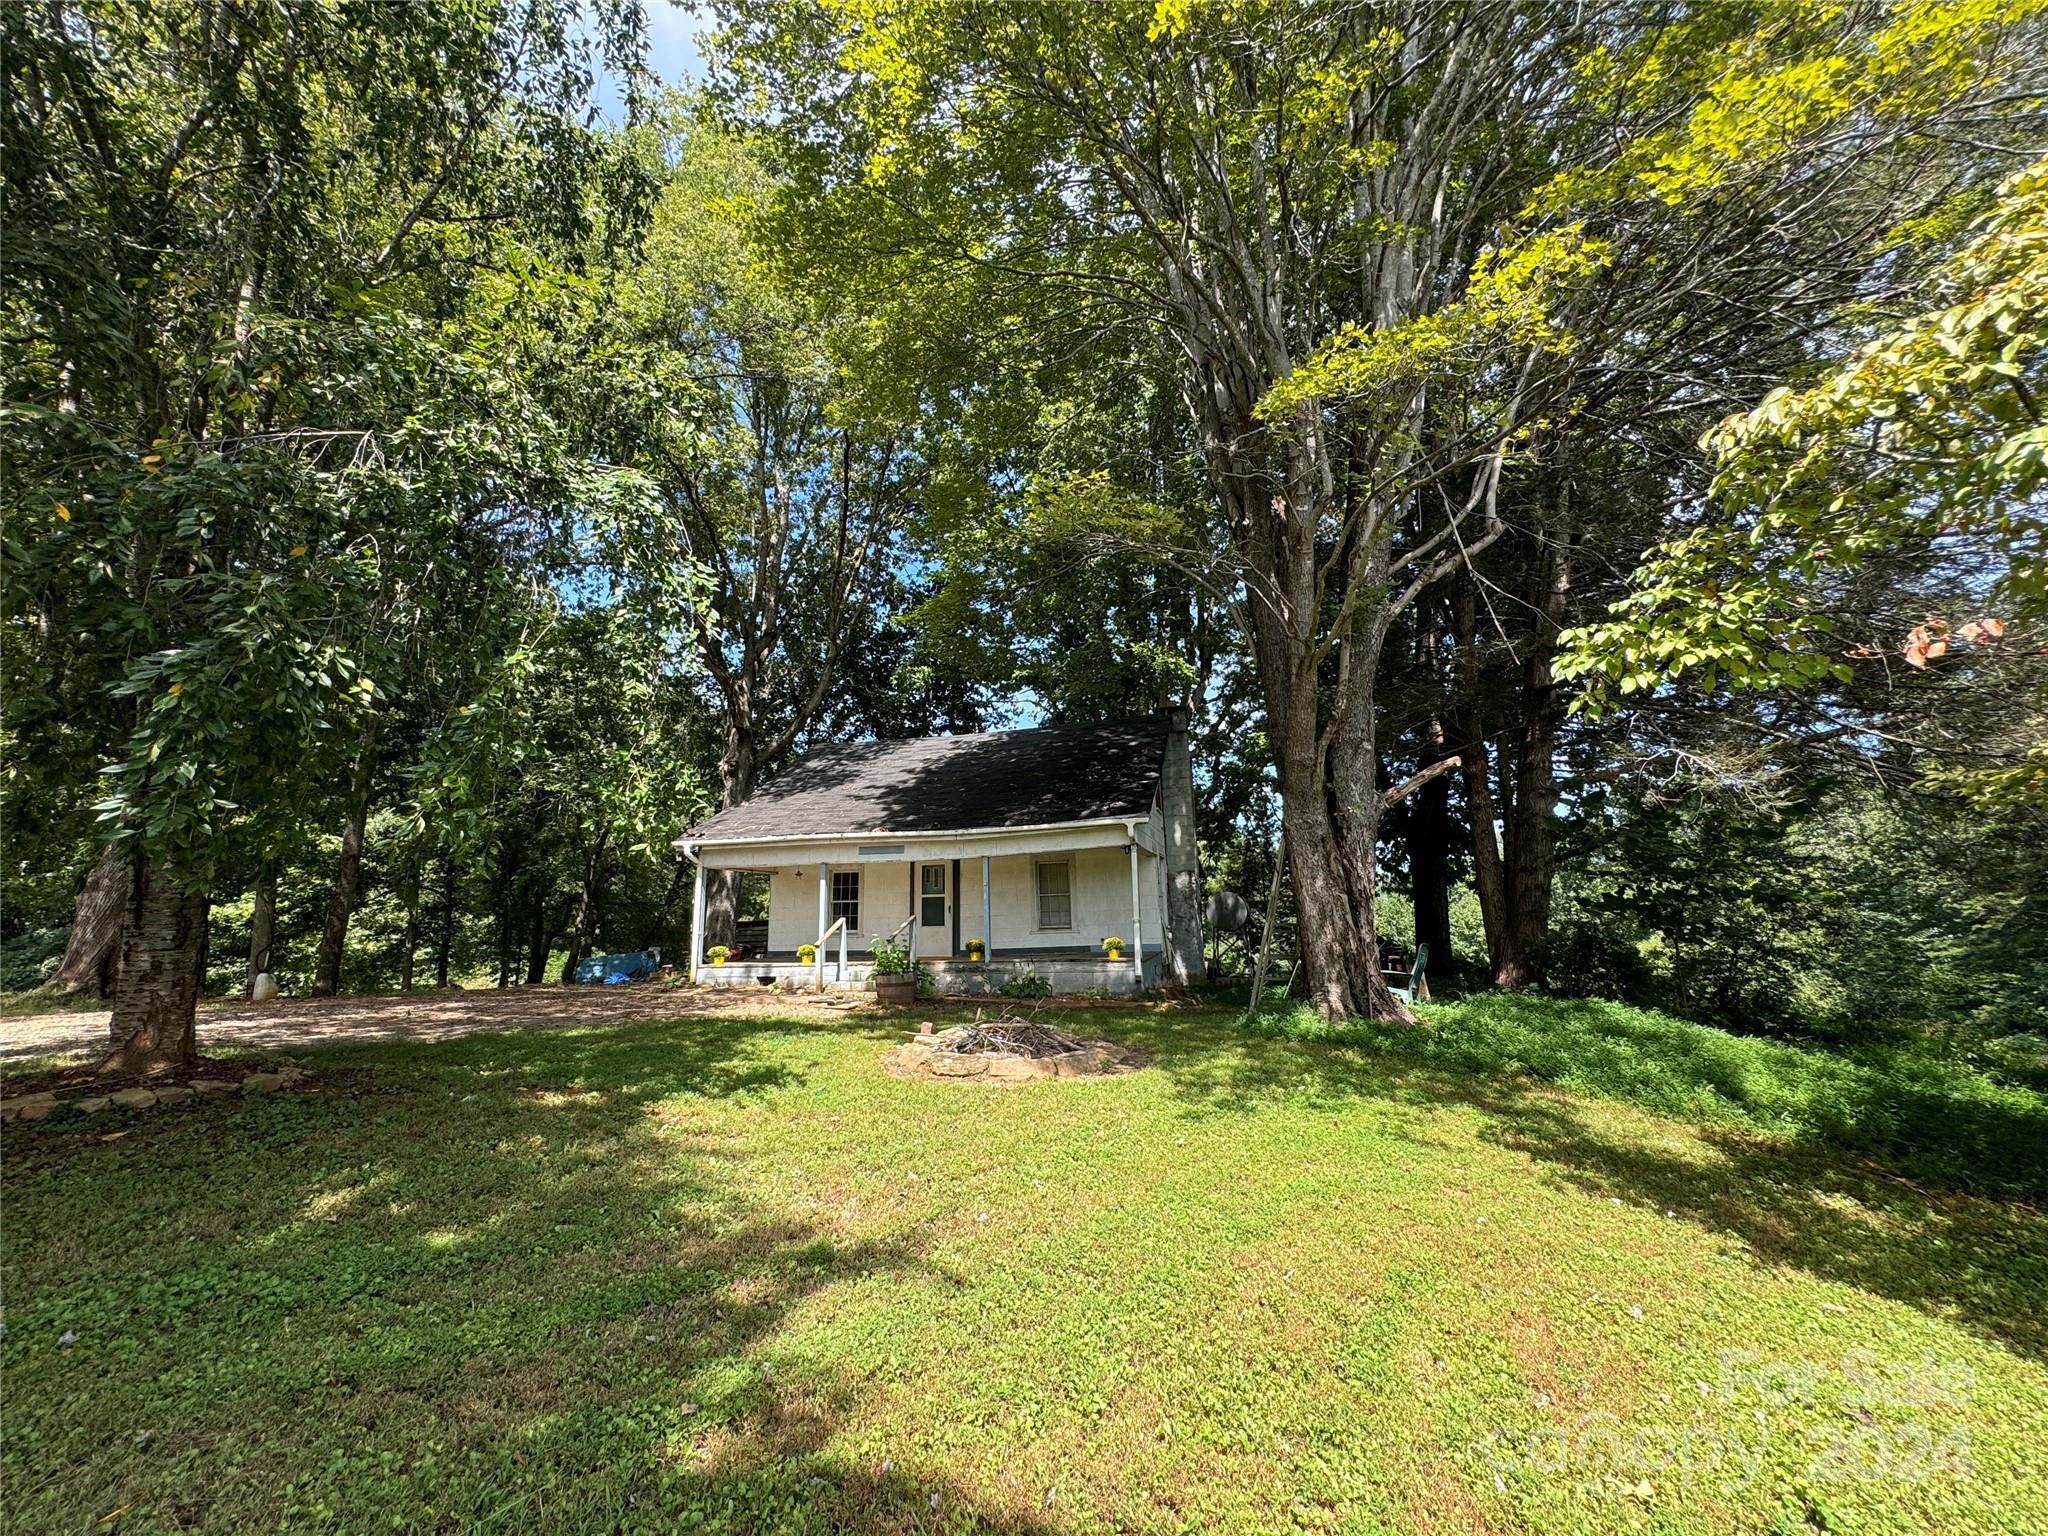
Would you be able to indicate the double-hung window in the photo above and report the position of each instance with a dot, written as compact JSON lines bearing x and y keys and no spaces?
{"x":846,"y":898}
{"x":1056,"y":895}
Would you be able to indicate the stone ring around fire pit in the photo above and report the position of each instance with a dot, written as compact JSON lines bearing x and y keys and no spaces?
{"x":1008,"y":1050}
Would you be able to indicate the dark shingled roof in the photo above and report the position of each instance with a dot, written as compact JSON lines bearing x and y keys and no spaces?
{"x":950,"y":783}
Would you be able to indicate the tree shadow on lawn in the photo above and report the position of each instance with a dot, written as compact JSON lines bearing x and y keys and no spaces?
{"x":1977,"y":1259}
{"x":503,"y":1283}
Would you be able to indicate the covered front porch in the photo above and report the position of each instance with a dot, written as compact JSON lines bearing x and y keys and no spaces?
{"x":972,"y":909}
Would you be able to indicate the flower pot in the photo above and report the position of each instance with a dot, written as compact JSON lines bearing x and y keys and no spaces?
{"x":896,"y":991}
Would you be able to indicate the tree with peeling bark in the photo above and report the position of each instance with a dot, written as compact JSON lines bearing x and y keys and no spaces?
{"x":241,"y":371}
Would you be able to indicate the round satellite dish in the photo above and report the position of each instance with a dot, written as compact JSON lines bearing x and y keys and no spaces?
{"x":1227,"y":912}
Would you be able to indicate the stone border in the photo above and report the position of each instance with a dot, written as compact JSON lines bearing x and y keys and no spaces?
{"x":34,"y":1106}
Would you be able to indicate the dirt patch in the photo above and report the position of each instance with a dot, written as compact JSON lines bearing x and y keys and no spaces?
{"x":289,"y":1023}
{"x":1008,"y":1050}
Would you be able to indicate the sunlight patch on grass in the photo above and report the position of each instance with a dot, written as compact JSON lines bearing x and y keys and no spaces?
{"x":1933,"y":1116}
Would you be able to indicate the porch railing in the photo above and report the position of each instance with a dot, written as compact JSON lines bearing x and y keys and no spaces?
{"x":907,"y":931}
{"x":824,"y":939}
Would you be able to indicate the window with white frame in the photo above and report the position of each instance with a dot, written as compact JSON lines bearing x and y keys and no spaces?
{"x":846,"y":898}
{"x":1056,"y":895}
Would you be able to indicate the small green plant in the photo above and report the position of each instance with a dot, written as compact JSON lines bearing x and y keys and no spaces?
{"x":806,"y":954}
{"x":927,"y":982}
{"x":890,"y":958}
{"x":717,"y":954}
{"x":1113,"y":947}
{"x":1025,"y":982}
{"x":976,"y":949}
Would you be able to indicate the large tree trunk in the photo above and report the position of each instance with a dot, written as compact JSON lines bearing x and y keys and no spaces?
{"x":162,"y":970}
{"x":409,"y":946}
{"x":1429,"y":854}
{"x":1430,"y":831}
{"x":1515,"y":881}
{"x":678,"y":883}
{"x":1330,"y":805}
{"x":341,"y":904}
{"x":444,"y":949}
{"x":1330,"y":808}
{"x":721,"y":907}
{"x":1183,"y":949}
{"x":1531,"y":863}
{"x":92,"y":953}
{"x":736,"y":770}
{"x":1489,"y":880}
{"x":506,"y":915}
{"x":409,"y":936}
{"x":1355,"y":807}
{"x":262,"y":923}
{"x":589,"y":895}
{"x":538,"y":934}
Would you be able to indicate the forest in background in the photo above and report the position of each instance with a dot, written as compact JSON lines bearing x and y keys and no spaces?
{"x":1617,"y":427}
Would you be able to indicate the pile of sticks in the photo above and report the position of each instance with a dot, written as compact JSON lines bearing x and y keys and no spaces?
{"x":1006,"y":1036}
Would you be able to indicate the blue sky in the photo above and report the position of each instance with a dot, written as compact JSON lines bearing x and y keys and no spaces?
{"x":671,"y":53}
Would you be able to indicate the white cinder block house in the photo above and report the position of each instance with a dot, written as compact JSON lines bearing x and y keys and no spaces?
{"x":1039,"y":843}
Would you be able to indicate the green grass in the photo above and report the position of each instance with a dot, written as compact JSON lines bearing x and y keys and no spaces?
{"x":39,"y":1000}
{"x":727,"y":1274}
{"x":1929,"y":1116}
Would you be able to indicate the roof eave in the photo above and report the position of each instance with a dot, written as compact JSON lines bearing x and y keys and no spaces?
{"x":689,"y":843}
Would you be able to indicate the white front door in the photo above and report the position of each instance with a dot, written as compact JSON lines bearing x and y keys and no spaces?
{"x":935,"y":909}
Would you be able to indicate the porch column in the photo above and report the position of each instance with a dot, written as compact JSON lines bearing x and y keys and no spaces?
{"x":1137,"y":921}
{"x":988,"y":932}
{"x":824,"y":918}
{"x":697,"y":921}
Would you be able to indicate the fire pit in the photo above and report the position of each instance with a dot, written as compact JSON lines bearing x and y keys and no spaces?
{"x":1008,"y":1049}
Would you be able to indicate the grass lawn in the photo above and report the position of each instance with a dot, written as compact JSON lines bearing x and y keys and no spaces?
{"x":725,"y":1273}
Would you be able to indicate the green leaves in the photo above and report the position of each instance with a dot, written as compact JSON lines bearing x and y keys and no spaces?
{"x":1928,"y":440}
{"x":1511,"y":302}
{"x":274,"y":339}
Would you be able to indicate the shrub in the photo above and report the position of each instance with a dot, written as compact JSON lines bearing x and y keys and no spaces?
{"x":890,"y":958}
{"x":1025,"y":982}
{"x":29,"y":956}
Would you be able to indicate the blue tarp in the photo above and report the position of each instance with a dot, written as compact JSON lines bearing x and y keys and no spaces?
{"x":611,"y":969}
